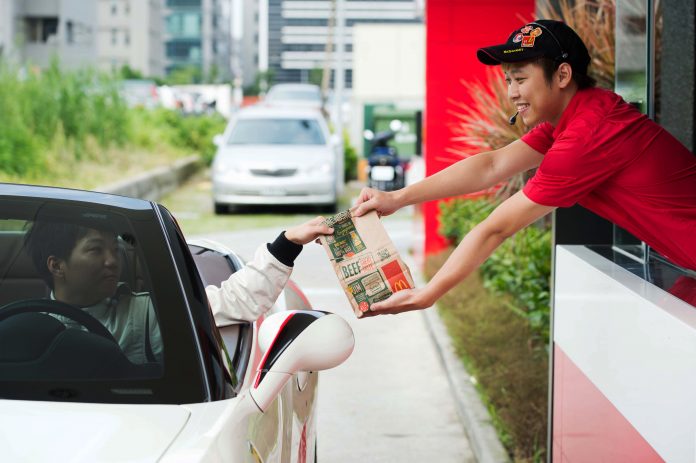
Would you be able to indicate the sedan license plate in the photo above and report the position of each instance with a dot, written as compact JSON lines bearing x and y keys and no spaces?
{"x":272,"y":192}
{"x":382,"y":173}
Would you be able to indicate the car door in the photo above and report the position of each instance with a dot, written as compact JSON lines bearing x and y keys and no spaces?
{"x":285,"y":433}
{"x":302,"y":392}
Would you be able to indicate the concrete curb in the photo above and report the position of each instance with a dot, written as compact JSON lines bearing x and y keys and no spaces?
{"x":473,"y":414}
{"x":154,"y":184}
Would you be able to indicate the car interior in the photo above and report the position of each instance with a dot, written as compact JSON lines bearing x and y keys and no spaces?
{"x":36,"y":345}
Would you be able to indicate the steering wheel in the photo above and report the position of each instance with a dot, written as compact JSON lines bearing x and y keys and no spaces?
{"x":58,"y":308}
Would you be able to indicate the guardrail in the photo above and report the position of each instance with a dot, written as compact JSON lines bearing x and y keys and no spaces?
{"x":154,"y":184}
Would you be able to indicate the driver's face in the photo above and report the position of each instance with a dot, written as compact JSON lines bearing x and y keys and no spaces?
{"x":91,"y":272}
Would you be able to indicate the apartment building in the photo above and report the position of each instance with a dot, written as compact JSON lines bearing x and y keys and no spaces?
{"x":131,"y":33}
{"x":296,"y":32}
{"x":37,"y":31}
{"x":197,"y":34}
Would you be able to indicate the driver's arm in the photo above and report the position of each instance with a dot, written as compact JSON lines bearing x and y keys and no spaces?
{"x":252,"y":291}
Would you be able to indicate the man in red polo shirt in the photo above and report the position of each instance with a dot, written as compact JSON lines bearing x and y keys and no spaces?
{"x":590,"y":147}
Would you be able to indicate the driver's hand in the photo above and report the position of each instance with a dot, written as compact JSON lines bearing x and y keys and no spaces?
{"x":383,"y":202}
{"x":308,"y":231}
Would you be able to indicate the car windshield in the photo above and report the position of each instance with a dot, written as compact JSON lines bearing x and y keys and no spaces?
{"x":81,"y":305}
{"x":276,"y":132}
{"x":278,"y":94}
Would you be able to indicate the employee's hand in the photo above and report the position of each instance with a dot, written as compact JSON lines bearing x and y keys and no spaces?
{"x":383,"y":202}
{"x":308,"y":231}
{"x":401,"y":301}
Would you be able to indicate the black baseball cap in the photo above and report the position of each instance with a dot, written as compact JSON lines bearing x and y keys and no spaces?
{"x":543,"y":37}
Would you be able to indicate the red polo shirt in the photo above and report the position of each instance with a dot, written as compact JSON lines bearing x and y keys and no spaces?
{"x":611,"y":159}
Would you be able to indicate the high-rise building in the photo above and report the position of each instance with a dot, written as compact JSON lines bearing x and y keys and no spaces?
{"x":198,"y":35}
{"x":130,"y":33}
{"x":37,"y":31}
{"x":7,"y":27}
{"x":297,"y":32}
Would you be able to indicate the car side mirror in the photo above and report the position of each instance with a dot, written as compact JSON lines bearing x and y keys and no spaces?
{"x":217,"y":140}
{"x":335,"y":139}
{"x":294,"y":341}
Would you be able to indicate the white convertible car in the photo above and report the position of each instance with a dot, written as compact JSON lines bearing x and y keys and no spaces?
{"x":71,"y":392}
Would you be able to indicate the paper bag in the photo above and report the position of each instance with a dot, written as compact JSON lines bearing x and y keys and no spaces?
{"x":365,"y":260}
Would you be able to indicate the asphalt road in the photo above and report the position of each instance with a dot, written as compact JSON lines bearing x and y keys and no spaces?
{"x":390,"y":401}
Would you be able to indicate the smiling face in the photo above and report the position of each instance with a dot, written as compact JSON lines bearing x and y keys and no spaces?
{"x":536,"y":98}
{"x":91,"y":272}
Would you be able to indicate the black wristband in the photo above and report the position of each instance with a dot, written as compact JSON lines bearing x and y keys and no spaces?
{"x":284,"y":250}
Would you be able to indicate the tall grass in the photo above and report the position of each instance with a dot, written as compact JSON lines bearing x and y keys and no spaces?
{"x":56,"y":118}
{"x":80,"y":110}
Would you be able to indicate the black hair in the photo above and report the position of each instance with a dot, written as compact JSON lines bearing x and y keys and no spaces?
{"x":549,"y":66}
{"x":45,"y":239}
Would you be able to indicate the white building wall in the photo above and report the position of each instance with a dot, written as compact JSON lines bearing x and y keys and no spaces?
{"x":7,"y":28}
{"x":131,"y":33}
{"x":74,"y":41}
{"x":389,"y":61}
{"x":388,"y":67}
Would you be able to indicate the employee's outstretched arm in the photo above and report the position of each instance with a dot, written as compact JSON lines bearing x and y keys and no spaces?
{"x":469,"y":175}
{"x":511,"y":216}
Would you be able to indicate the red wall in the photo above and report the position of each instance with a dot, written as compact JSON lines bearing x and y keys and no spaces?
{"x":455,"y":29}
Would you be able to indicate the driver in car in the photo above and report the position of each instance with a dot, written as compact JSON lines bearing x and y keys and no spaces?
{"x":82,"y":267}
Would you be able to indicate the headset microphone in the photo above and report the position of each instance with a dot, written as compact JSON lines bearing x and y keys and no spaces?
{"x":513,"y":118}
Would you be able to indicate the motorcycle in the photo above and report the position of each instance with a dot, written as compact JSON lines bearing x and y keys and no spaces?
{"x":385,"y":171}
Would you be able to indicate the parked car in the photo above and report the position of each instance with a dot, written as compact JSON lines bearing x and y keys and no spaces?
{"x":244,"y":392}
{"x":296,"y":95}
{"x":277,"y":156}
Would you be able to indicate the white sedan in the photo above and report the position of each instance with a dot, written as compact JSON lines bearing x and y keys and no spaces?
{"x":68,"y":391}
{"x":271,"y":155}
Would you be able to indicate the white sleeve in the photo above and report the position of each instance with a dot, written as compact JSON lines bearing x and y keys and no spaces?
{"x":251,"y":291}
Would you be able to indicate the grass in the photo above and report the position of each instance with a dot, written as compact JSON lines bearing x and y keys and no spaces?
{"x":497,"y":347}
{"x":185,"y":204}
{"x":113,"y":164}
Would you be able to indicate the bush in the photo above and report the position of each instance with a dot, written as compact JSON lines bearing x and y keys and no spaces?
{"x":520,"y":267}
{"x":350,"y":159}
{"x":511,"y":372}
{"x":193,"y":134}
{"x":55,"y":117}
{"x":39,"y":107}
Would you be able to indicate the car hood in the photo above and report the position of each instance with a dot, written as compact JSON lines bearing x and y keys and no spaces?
{"x":52,"y":431}
{"x":275,"y":156}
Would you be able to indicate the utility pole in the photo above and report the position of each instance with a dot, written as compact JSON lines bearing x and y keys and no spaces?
{"x":328,"y":51}
{"x":263,"y":45}
{"x":339,"y":72}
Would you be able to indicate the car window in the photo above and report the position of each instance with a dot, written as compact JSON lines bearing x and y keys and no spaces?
{"x":276,"y":132}
{"x":294,"y":94}
{"x":91,"y":308}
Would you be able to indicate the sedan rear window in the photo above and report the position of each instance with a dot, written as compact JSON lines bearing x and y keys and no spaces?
{"x":276,"y":132}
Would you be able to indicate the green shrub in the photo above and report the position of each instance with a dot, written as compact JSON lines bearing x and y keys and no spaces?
{"x":502,"y":352}
{"x":350,"y":159}
{"x":193,"y":134}
{"x":520,"y":267}
{"x":80,"y":114}
{"x":77,"y":107}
